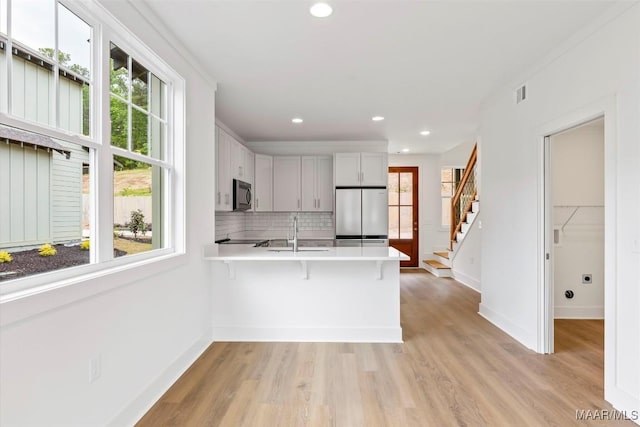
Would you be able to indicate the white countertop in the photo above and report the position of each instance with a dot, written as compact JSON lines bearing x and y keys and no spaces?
{"x":215,"y":252}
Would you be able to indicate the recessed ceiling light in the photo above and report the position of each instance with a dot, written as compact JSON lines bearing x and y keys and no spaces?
{"x":321,"y":10}
{"x":377,"y":118}
{"x":296,"y":120}
{"x":405,"y":150}
{"x":425,"y":132}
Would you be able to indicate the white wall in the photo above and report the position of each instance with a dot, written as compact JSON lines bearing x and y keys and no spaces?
{"x":594,"y":73}
{"x":146,"y":323}
{"x":577,"y":175}
{"x":466,"y":266}
{"x":429,"y":190}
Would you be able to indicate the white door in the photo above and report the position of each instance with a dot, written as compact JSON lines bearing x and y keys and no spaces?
{"x":309,"y":197}
{"x":324,"y":184}
{"x":223,"y":175}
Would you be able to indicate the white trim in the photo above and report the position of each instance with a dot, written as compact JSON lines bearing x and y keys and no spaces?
{"x":139,"y":406}
{"x":466,"y":280}
{"x":606,"y":107}
{"x":355,"y":335}
{"x":501,"y":322}
{"x":588,"y":312}
{"x":33,"y":301}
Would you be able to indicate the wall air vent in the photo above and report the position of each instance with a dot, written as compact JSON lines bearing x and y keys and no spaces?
{"x":521,"y":94}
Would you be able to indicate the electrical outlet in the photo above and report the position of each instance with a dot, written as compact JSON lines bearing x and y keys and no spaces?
{"x":95,"y":368}
{"x":587,"y":279}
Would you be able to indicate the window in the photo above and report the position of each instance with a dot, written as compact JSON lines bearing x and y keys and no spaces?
{"x":449,"y":180}
{"x":51,"y":145}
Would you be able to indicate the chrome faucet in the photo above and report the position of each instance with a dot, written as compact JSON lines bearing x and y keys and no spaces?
{"x":295,"y":234}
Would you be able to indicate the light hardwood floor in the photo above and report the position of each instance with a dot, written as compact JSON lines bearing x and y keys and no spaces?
{"x":454,"y":369}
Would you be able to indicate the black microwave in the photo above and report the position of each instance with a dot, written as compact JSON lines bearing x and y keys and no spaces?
{"x":241,"y":195}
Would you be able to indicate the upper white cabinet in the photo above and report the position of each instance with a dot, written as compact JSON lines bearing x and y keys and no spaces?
{"x":286,"y":183}
{"x":223,"y":174}
{"x":263,"y":187}
{"x":233,"y":160}
{"x":317,"y":183}
{"x":241,"y":161}
{"x":361,"y":169}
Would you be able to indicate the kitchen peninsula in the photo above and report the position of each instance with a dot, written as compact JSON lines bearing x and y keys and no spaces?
{"x":321,"y":294}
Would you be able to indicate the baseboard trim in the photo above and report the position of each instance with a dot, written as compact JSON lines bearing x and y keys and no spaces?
{"x":624,"y":402}
{"x":589,"y":312}
{"x":508,"y":327}
{"x":468,"y":281}
{"x":145,"y":400}
{"x":354,"y":335}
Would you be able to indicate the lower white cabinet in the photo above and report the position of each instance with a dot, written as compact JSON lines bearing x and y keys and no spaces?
{"x":263,"y":186}
{"x":286,"y":184}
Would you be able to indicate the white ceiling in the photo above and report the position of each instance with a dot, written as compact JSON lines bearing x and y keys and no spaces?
{"x":420,"y":64}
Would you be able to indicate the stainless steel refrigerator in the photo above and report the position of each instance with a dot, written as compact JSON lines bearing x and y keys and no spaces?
{"x":362,"y":216}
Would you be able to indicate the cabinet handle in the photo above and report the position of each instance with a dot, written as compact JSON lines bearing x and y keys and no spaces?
{"x":298,"y":203}
{"x":257,"y":203}
{"x":218,"y":197}
{"x":361,"y":177}
{"x":240,"y":170}
{"x":357,"y":176}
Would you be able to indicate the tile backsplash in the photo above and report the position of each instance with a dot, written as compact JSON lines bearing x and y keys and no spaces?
{"x":235,"y":224}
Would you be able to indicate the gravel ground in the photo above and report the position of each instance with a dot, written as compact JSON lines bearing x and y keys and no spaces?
{"x":30,"y":262}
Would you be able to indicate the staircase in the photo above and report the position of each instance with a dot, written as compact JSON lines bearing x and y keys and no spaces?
{"x":464,"y":210}
{"x":441,"y":262}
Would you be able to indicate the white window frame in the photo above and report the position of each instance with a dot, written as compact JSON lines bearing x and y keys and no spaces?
{"x":106,"y":29}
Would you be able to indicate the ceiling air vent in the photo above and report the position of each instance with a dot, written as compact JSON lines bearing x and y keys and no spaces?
{"x":521,"y":94}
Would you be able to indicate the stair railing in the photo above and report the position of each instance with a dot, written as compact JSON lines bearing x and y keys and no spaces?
{"x":466,"y":192}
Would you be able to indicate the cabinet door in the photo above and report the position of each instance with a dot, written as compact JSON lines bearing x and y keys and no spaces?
{"x":308,"y":184}
{"x":224,"y":180}
{"x":286,"y":184}
{"x":263,"y":188}
{"x":347,"y":169}
{"x":247,"y":171}
{"x":236,"y":159}
{"x":324,"y":184}
{"x":373,"y":168}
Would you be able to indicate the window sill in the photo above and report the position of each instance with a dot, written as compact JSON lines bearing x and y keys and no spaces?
{"x":31,"y":298}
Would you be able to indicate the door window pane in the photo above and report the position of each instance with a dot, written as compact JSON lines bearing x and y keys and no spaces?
{"x":446,"y":189}
{"x":406,"y":188}
{"x":406,"y":222}
{"x":394,"y":222}
{"x":157,"y":139}
{"x":393,"y":188}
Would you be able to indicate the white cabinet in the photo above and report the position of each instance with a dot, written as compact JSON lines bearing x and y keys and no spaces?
{"x":241,"y":161}
{"x":317,"y":183}
{"x":361,"y":169}
{"x":233,"y":160}
{"x":263,"y":187}
{"x":286,"y":183}
{"x":223,"y":175}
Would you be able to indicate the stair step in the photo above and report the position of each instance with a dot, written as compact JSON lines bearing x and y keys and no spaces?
{"x":435,"y":264}
{"x":465,"y":227}
{"x":475,"y":207}
{"x":443,"y":254}
{"x":471,"y":216}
